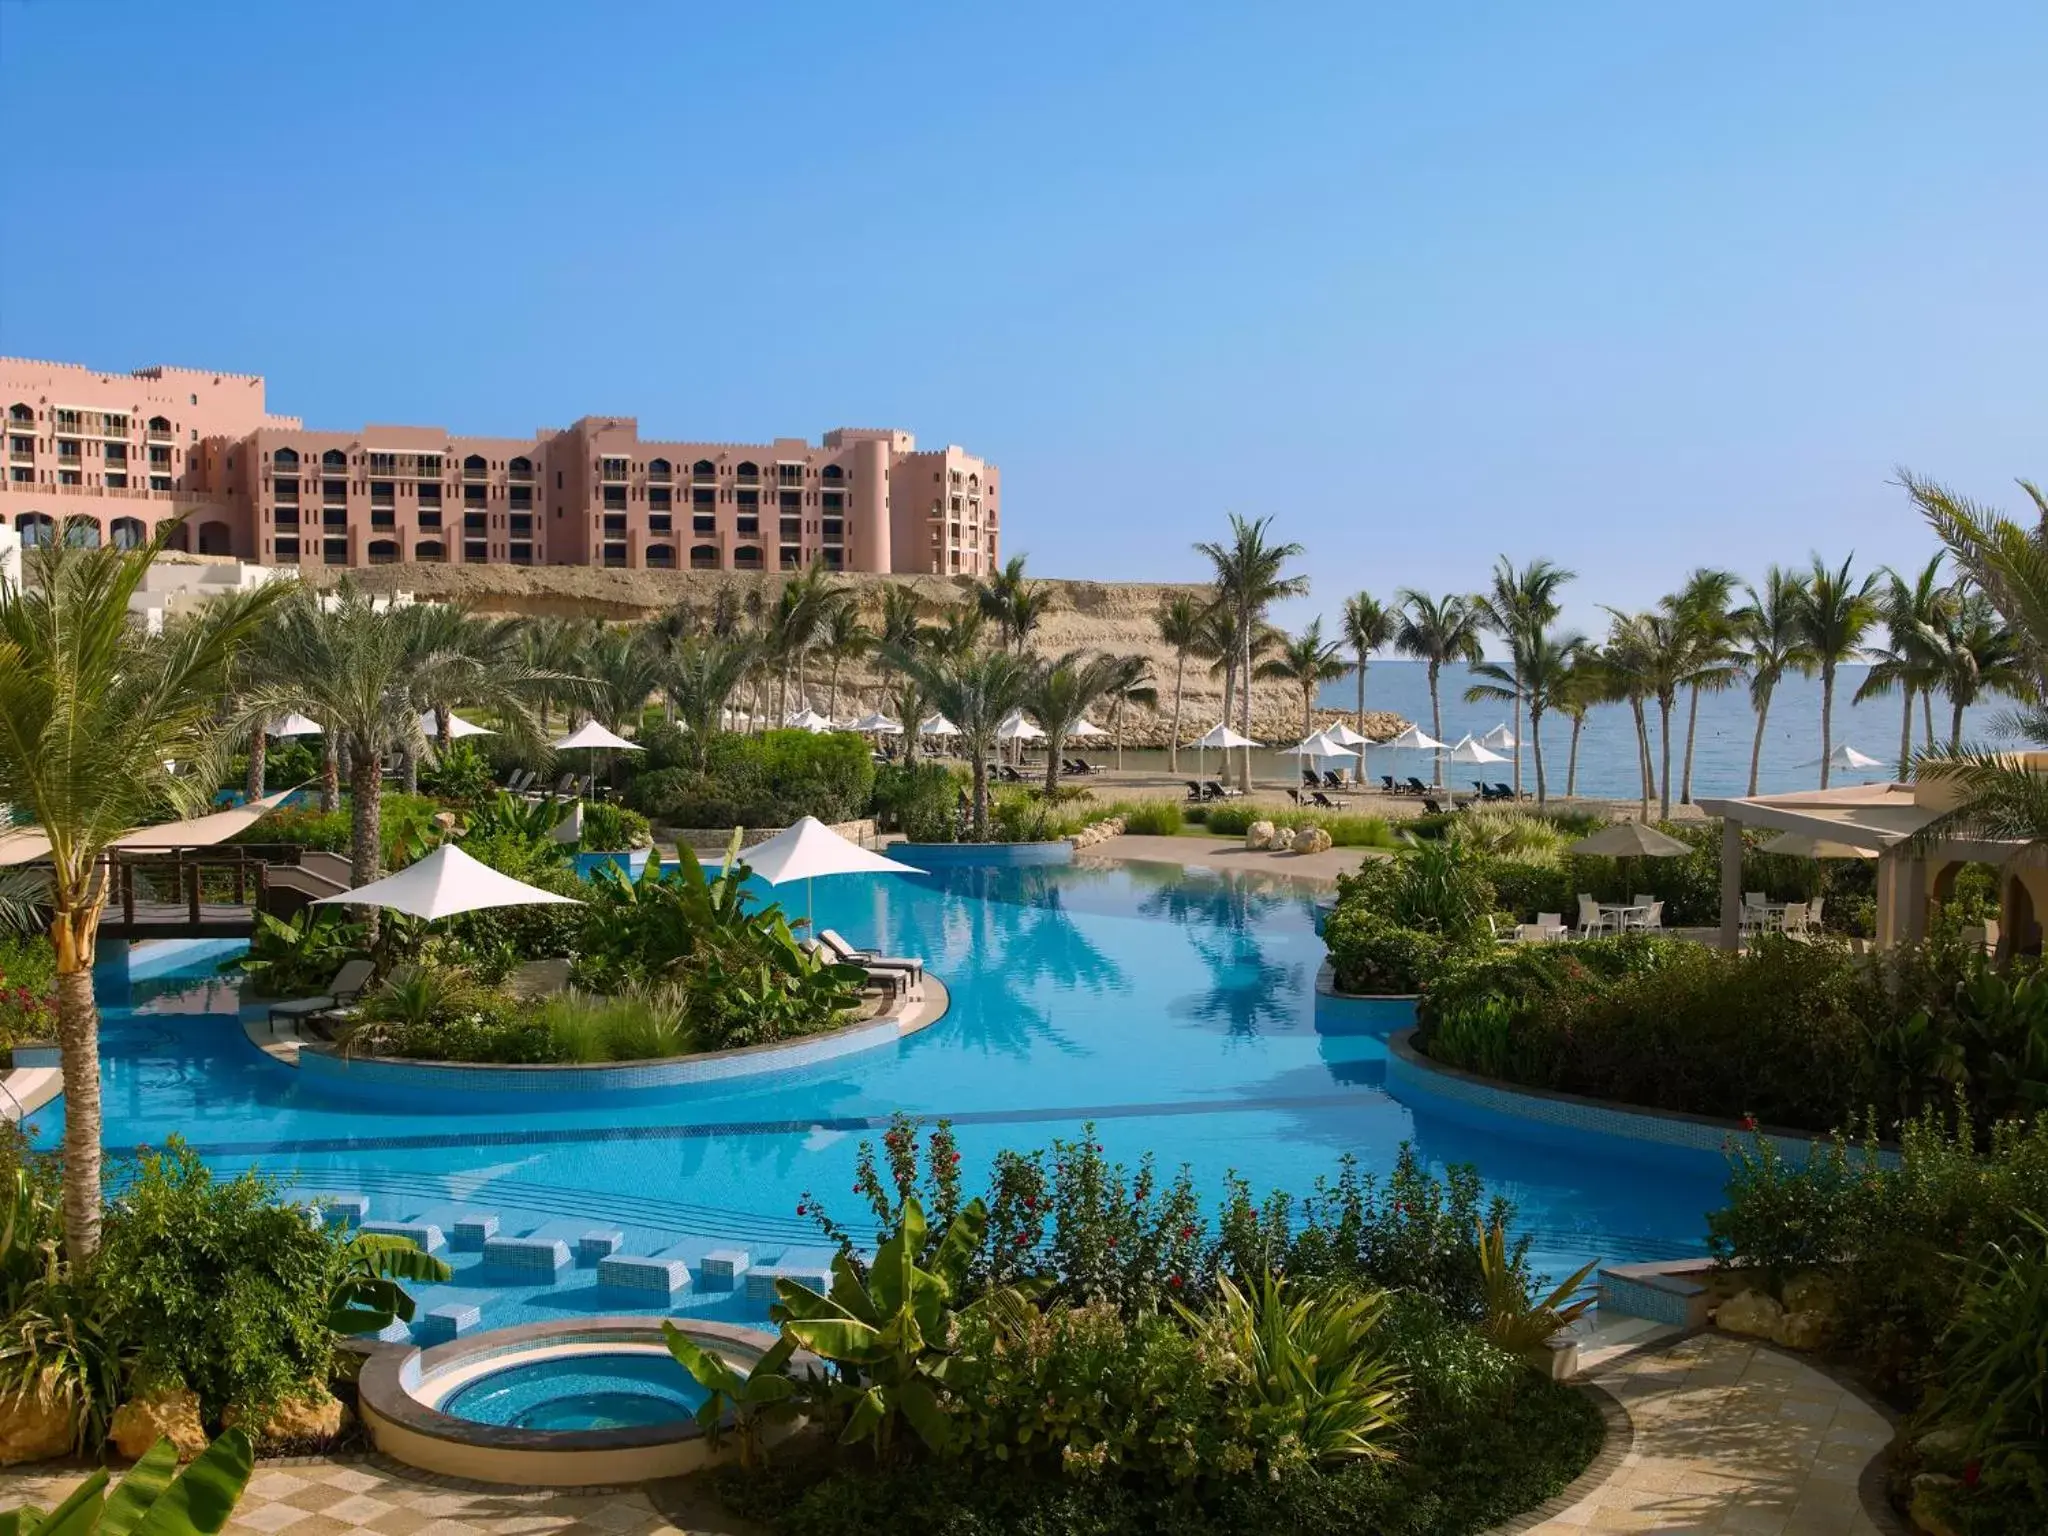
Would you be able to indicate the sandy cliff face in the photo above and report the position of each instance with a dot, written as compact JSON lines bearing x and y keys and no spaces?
{"x":1113,"y":617}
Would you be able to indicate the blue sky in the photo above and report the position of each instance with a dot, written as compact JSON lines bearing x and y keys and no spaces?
{"x":1634,"y":287}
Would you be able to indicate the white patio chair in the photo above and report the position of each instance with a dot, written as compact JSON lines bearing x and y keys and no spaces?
{"x":1654,"y":918}
{"x":1552,"y":924}
{"x":1590,"y":920}
{"x":1813,"y":911}
{"x":1795,"y":917}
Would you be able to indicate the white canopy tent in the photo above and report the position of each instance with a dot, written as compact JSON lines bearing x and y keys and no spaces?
{"x":878,"y":724}
{"x":1323,"y":747}
{"x":445,"y":882}
{"x":1632,"y":840}
{"x":591,"y":734}
{"x":1845,"y":759}
{"x":296,"y":725}
{"x":457,"y":726}
{"x":809,"y":849}
{"x":1015,"y":727}
{"x":1344,"y":736}
{"x":808,"y":719}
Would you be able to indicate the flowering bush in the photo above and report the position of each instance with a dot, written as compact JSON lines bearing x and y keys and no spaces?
{"x":28,"y":989}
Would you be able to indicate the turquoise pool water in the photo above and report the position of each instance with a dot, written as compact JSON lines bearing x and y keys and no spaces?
{"x":1175,"y":1009}
{"x":624,"y":1390}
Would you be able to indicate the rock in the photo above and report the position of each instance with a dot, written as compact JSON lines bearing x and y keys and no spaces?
{"x":1801,"y":1330}
{"x":1942,"y":1449}
{"x":1929,"y":1508}
{"x":36,"y":1424}
{"x":142,"y":1421}
{"x":1810,"y":1291}
{"x":1312,"y":840}
{"x":315,"y":1415}
{"x":1752,"y":1313}
{"x":1259,"y":835}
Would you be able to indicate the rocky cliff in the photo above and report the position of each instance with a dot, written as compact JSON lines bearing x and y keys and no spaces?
{"x":1113,"y":617}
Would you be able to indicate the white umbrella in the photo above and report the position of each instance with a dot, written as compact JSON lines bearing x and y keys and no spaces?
{"x":1846,"y":758}
{"x":1469,"y":750}
{"x":296,"y":725}
{"x":878,"y":724}
{"x":445,"y":882}
{"x":1632,"y":840}
{"x":808,"y":719}
{"x":1414,"y":739}
{"x":1500,"y":738}
{"x":1323,"y":748}
{"x":457,"y":726}
{"x":1084,"y":729}
{"x":1344,"y":736}
{"x":809,"y":849}
{"x":1219,"y":737}
{"x":938,"y":725}
{"x":591,"y":734}
{"x":1015,"y":727}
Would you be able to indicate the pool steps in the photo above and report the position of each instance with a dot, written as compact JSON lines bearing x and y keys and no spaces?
{"x":421,"y":1234}
{"x":444,"y":1324}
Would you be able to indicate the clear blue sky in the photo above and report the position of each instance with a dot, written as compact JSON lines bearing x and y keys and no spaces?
{"x":1633,"y":286}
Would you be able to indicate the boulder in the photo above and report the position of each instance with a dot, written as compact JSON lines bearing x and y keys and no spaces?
{"x":1810,"y":1291}
{"x":170,"y":1415}
{"x":1752,"y":1313}
{"x":1942,"y":1449}
{"x":1801,"y":1330}
{"x":315,"y":1415}
{"x":1312,"y":840}
{"x":37,"y":1423}
{"x":1259,"y":835}
{"x":1929,"y":1508}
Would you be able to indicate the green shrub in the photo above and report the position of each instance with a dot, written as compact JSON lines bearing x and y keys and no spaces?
{"x":1373,"y":954}
{"x":328,"y":831}
{"x":768,"y":780}
{"x":1233,"y":820}
{"x":920,"y":800}
{"x":461,"y":774}
{"x":214,"y":1284}
{"x":28,"y":988}
{"x":297,"y":956}
{"x":1154,"y":818}
{"x":610,"y":828}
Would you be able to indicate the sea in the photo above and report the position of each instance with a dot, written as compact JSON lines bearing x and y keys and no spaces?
{"x":1607,"y":752}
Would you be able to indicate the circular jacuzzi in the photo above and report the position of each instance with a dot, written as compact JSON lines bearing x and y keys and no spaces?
{"x":559,"y":1404}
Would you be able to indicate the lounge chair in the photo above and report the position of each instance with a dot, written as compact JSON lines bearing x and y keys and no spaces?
{"x":1082,"y":765}
{"x":1296,"y":796}
{"x":520,"y":780}
{"x":898,"y":973}
{"x":346,"y":987}
{"x":1813,"y":912}
{"x":1387,"y":783}
{"x":1309,"y":779}
{"x":1501,"y":791}
{"x":1008,"y":774}
{"x":1216,"y":789}
{"x":1417,"y":787}
{"x":1196,"y":795}
{"x":1324,"y":802}
{"x":1432,"y":806}
{"x":1332,"y":779}
{"x":1552,"y":924}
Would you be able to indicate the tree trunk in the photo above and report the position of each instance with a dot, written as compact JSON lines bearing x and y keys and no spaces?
{"x":74,"y":934}
{"x":1955,"y":725}
{"x":258,"y":759}
{"x":1571,"y":764}
{"x":832,"y":702}
{"x":1927,"y":715}
{"x":1436,"y":723}
{"x":1180,"y":669}
{"x":330,"y":775}
{"x":1518,"y":733}
{"x":410,"y":759}
{"x":1906,"y":738}
{"x":1055,"y":743}
{"x":1358,"y":724}
{"x":444,"y":727}
{"x":1645,"y":774}
{"x":1307,"y":708}
{"x":1756,"y":746}
{"x":1692,"y":726}
{"x":1536,"y":752}
{"x":1244,"y":705}
{"x":1827,"y":724}
{"x":1664,"y":784}
{"x":980,"y":794}
{"x":366,"y":830}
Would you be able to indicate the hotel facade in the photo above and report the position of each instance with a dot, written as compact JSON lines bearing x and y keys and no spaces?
{"x":129,"y":451}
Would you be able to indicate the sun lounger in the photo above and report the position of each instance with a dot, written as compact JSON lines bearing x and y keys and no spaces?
{"x":1296,"y":796}
{"x":1387,"y":783}
{"x":346,"y":987}
{"x":1332,"y":779}
{"x":1417,"y":787}
{"x":1216,"y":789}
{"x":1323,"y":801}
{"x":1309,"y":779}
{"x":1502,"y":792}
{"x":1082,"y":765}
{"x":1196,"y":794}
{"x":897,"y":973}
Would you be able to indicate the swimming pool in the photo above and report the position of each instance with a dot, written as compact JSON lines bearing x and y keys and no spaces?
{"x":1174,"y":1008}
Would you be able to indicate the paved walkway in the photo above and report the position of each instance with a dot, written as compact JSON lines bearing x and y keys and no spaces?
{"x":1729,"y":1437}
{"x":1229,"y":855}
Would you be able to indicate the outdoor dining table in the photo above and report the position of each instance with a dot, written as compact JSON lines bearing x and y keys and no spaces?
{"x":1622,"y":916}
{"x":1766,"y":914}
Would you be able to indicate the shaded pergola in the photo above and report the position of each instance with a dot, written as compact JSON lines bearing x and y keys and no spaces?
{"x":1882,"y":820}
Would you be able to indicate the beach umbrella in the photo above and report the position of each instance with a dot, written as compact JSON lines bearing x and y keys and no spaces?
{"x":1469,"y":750}
{"x":1221,"y":738}
{"x":1344,"y":736}
{"x":938,"y":725}
{"x":1015,"y":727}
{"x":296,"y":725}
{"x":1631,"y":840}
{"x":1500,"y":738}
{"x":1414,"y":739}
{"x":1085,"y":729}
{"x":878,"y":724}
{"x":808,"y":719}
{"x":809,"y":849}
{"x":445,"y":882}
{"x":457,"y":726}
{"x":1845,"y":759}
{"x":1804,"y":845}
{"x":592,"y":736}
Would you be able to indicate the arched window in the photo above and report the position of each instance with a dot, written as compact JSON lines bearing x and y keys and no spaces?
{"x":520,"y":467}
{"x":833,"y":472}
{"x":661,"y":557}
{"x":475,"y":464}
{"x":181,"y":539}
{"x":286,"y":459}
{"x":334,"y":458}
{"x":747,"y":557}
{"x":128,"y":533}
{"x":82,"y":532}
{"x":659,"y":469}
{"x":20,"y":414}
{"x":703,"y":467}
{"x":974,"y":482}
{"x":383,"y":552}
{"x":704,"y":557}
{"x":159,"y":423}
{"x":36,"y":529}
{"x":216,"y":539}
{"x":429,"y":553}
{"x":748,"y":470}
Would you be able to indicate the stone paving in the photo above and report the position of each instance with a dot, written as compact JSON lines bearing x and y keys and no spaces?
{"x":1730,"y":1437}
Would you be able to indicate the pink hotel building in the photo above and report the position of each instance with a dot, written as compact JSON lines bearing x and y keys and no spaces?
{"x":130,"y":450}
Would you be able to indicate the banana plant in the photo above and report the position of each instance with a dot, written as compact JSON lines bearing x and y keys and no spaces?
{"x":154,"y":1499}
{"x":763,"y":1396}
{"x":367,"y":1297}
{"x":890,"y":1337}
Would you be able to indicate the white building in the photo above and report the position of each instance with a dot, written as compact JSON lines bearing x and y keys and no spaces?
{"x":10,"y":558}
{"x":172,"y":585}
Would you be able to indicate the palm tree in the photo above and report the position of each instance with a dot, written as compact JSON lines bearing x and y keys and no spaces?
{"x":1059,"y":694}
{"x":1701,"y":609}
{"x":1657,"y":655}
{"x":623,"y":668}
{"x":553,"y":648}
{"x":1913,"y":613}
{"x":1368,"y":626}
{"x":843,"y":638}
{"x":1519,"y":607}
{"x":1585,"y":683}
{"x":1974,"y":653}
{"x":1544,"y":675}
{"x":1308,"y":661}
{"x":956,"y":635}
{"x":1772,"y":643}
{"x":794,"y":623}
{"x":1437,"y":630}
{"x":1626,"y":668}
{"x":1250,"y":578}
{"x":1833,"y":614}
{"x":1013,"y":604}
{"x":1130,"y":682}
{"x":976,"y":692}
{"x":700,"y":677}
{"x":1182,"y":621}
{"x":94,"y":712}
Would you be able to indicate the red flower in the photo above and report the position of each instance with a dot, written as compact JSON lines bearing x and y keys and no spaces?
{"x":1030,"y":1204}
{"x":856,"y":1189}
{"x":799,"y":1210}
{"x":1112,"y":1242}
{"x":1174,"y":1281}
{"x":1972,"y":1472}
{"x":956,"y":1157}
{"x":1187,"y":1232}
{"x":1749,"y":1122}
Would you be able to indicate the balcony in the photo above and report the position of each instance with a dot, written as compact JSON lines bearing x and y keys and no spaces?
{"x":161,"y":435}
